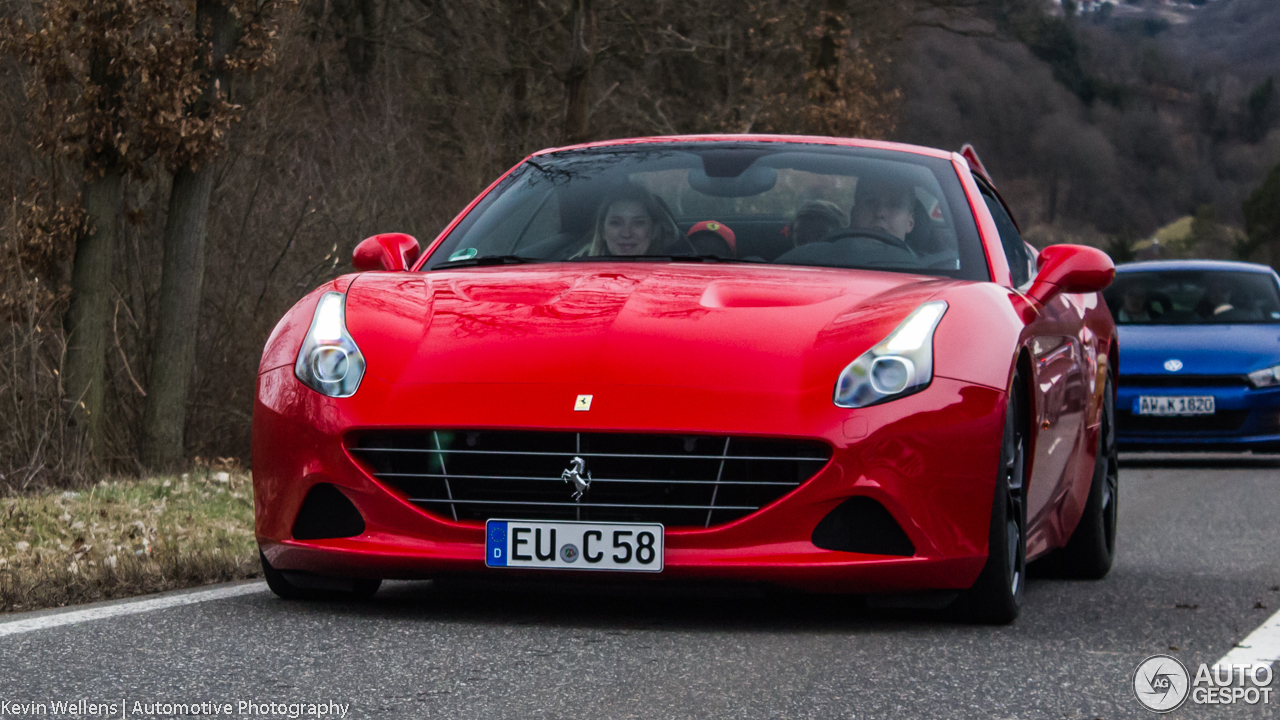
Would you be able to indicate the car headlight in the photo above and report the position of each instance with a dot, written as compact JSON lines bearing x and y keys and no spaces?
{"x":900,"y":365}
{"x":1265,"y":378}
{"x":329,"y":361}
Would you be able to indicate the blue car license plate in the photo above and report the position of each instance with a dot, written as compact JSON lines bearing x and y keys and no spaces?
{"x":633,"y":547}
{"x":1175,"y":405}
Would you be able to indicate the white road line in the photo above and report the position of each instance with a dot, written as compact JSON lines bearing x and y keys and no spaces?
{"x":73,"y":617}
{"x":1262,"y":647}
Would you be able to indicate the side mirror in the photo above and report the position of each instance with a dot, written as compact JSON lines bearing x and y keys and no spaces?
{"x":388,"y":251}
{"x":1071,"y":269}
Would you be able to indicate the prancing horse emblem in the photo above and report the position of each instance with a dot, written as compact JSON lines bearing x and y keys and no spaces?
{"x":578,"y":475}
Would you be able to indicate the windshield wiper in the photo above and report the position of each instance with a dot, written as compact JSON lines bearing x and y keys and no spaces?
{"x":486,"y":260}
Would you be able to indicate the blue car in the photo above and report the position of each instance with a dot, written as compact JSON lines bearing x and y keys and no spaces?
{"x":1199,"y":355}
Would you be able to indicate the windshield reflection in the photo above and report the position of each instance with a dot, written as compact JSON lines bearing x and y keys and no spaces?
{"x":1193,"y":297}
{"x":779,"y":203}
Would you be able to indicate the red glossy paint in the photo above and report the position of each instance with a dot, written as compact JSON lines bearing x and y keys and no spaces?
{"x":997,"y":264}
{"x":1073,"y":269}
{"x":975,"y":163}
{"x":738,"y":349}
{"x":388,"y":251}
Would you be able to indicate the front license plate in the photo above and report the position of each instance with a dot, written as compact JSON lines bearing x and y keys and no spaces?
{"x":574,"y":545}
{"x":1176,"y":405}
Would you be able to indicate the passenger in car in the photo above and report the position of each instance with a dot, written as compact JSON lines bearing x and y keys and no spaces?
{"x":814,"y":221}
{"x":633,"y":221}
{"x":1134,"y":305}
{"x":1216,"y":301}
{"x":924,"y":239}
{"x":884,"y":203}
{"x":711,"y":237}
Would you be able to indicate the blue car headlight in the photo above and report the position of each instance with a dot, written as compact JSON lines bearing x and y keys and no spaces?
{"x":329,"y":361}
{"x":1266,"y":377}
{"x":899,"y":365}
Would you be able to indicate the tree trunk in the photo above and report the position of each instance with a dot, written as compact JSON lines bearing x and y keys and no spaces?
{"x":359,"y":25}
{"x":90,"y":311}
{"x":577,"y":82}
{"x":173,"y":352}
{"x":827,"y":60}
{"x":520,"y":120}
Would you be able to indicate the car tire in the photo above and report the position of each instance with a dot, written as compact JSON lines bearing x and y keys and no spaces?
{"x":326,"y":589}
{"x":996,"y":597}
{"x":1089,"y":553}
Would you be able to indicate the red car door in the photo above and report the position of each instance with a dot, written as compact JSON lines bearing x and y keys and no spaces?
{"x":1059,"y":385}
{"x":1058,"y":368}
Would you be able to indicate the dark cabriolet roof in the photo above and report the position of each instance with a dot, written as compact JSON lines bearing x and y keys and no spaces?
{"x":1164,"y":265}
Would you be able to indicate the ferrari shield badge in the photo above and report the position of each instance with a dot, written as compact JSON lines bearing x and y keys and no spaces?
{"x":582,"y":404}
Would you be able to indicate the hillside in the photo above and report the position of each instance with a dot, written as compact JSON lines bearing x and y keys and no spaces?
{"x":1115,"y":122}
{"x":1238,"y":37}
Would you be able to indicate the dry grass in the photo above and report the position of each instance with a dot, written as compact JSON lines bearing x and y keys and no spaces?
{"x":125,"y":537}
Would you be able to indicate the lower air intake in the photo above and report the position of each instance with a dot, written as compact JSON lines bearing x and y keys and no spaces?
{"x":862,"y":525}
{"x":327,"y":513}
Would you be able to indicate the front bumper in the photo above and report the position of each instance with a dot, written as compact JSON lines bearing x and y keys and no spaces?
{"x":1247,"y":418}
{"x":930,"y":459}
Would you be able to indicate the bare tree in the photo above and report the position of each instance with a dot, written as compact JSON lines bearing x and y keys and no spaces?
{"x":220,"y":25}
{"x":105,"y":72}
{"x":577,"y":79}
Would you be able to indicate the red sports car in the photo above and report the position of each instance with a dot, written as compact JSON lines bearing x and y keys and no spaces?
{"x":820,"y":363}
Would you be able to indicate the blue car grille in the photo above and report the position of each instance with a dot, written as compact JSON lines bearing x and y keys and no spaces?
{"x":1227,"y":421}
{"x":1164,"y":381}
{"x":677,"y":480}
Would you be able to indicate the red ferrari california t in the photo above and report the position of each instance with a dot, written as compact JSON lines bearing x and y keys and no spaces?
{"x":826,"y":364}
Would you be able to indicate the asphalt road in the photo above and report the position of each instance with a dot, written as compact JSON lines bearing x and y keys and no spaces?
{"x":1198,"y":557}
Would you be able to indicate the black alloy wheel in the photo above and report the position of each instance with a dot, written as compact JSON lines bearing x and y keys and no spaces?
{"x":996,"y":597}
{"x":1090,"y":552}
{"x":297,"y":586}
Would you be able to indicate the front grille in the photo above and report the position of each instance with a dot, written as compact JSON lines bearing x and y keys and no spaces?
{"x":1164,"y":381}
{"x":1222,"y":421}
{"x":677,"y":480}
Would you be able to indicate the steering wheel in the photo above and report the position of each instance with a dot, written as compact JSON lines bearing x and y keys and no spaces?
{"x":873,"y":233}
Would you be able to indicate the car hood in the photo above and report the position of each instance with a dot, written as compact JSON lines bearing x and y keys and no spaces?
{"x":732,"y":326}
{"x":1201,"y":349}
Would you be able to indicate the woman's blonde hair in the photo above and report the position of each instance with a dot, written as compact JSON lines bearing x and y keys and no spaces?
{"x":666,"y":233}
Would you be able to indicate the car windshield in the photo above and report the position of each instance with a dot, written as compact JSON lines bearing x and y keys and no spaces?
{"x":1193,"y":297}
{"x":781,"y":203}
